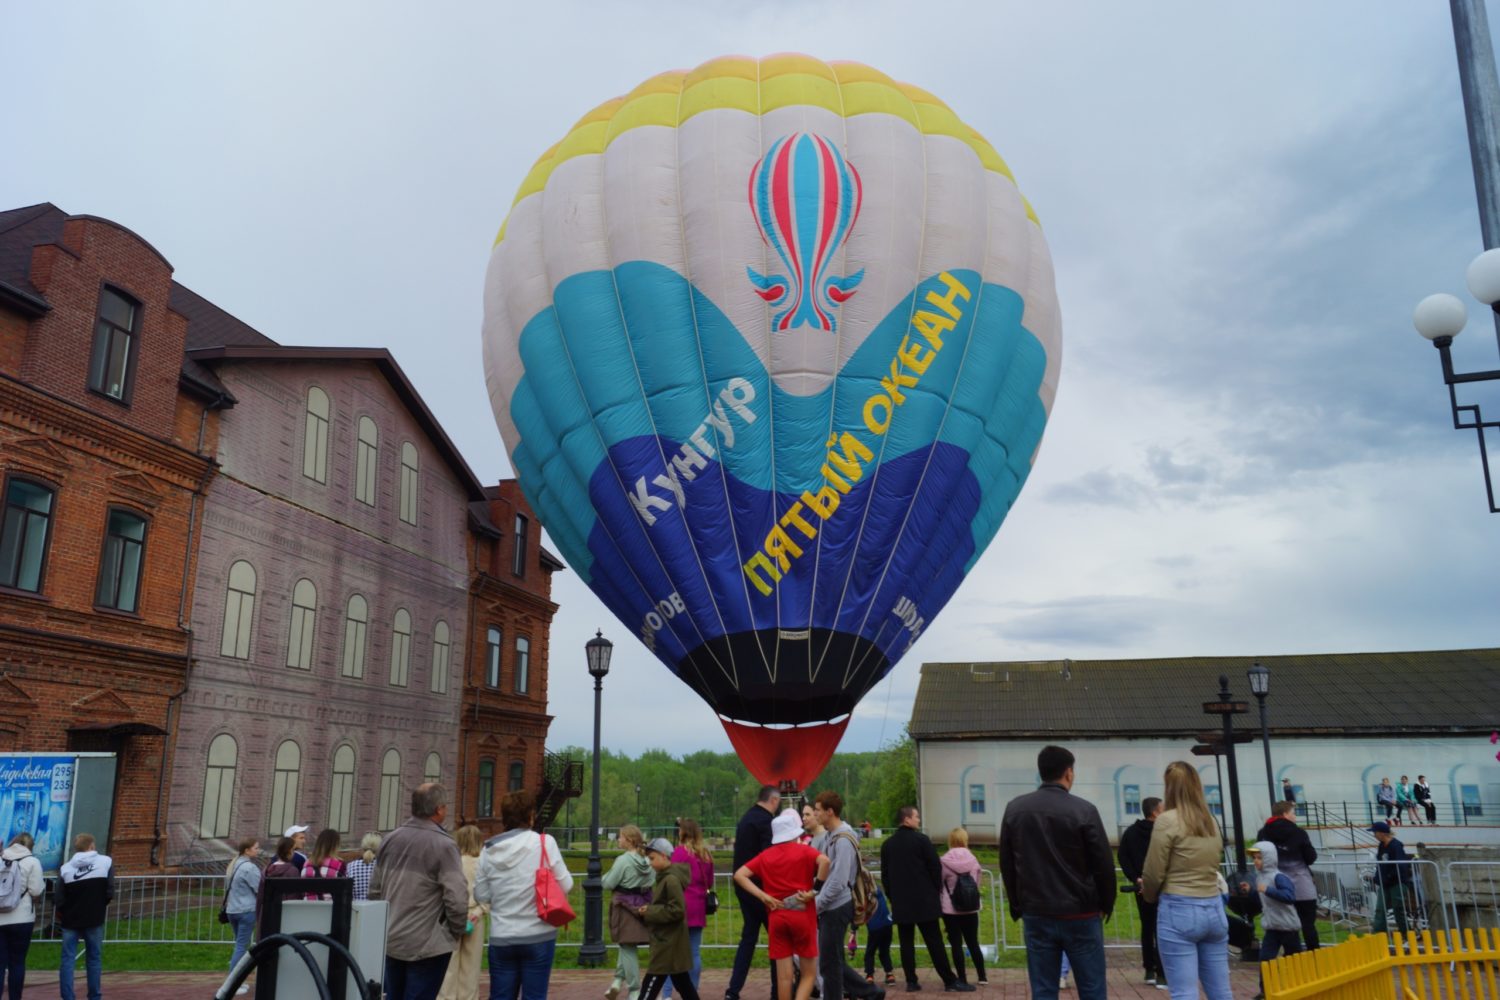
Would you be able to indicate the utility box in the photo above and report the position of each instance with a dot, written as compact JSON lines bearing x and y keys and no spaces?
{"x":366,"y":942}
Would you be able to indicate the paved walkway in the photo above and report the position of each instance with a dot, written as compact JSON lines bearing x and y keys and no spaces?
{"x":578,"y":984}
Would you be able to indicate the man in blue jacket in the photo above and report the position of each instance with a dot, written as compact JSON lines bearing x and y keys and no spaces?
{"x":1393,"y":875}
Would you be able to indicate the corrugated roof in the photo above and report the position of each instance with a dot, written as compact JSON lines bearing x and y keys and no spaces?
{"x":1441,"y":691}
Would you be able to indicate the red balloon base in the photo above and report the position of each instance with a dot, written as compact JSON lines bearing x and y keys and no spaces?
{"x":775,"y":755}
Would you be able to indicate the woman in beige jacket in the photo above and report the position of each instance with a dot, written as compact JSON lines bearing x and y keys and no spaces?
{"x":1182,"y":873}
{"x":462,"y":979}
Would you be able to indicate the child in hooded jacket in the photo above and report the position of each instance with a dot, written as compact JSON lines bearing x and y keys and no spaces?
{"x":666,"y":915}
{"x":1280,"y":927}
{"x":878,"y":940}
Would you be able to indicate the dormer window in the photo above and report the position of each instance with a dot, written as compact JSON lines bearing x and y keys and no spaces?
{"x":110,"y":367}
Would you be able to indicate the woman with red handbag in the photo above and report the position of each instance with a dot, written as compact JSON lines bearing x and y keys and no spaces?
{"x":522,"y":943}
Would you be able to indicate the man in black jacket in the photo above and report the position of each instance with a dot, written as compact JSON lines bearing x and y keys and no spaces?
{"x":1059,"y":879}
{"x":1133,"y":844}
{"x":1295,"y":854}
{"x":85,"y":887}
{"x":751,"y":836}
{"x":912,"y":878}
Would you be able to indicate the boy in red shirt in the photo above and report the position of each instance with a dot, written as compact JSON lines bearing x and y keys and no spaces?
{"x":789,"y":873}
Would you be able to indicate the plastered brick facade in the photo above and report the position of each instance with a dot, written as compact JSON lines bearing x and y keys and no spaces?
{"x":263,"y":511}
{"x":76,"y":676}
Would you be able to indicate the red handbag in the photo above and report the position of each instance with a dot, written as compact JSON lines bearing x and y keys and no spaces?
{"x":551,"y":901}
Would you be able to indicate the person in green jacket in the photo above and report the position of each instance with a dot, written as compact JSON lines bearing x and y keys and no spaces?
{"x":666,"y":915}
{"x":629,"y":878}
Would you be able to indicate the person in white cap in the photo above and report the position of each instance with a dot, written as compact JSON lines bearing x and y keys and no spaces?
{"x":299,"y":841}
{"x":790,"y":875}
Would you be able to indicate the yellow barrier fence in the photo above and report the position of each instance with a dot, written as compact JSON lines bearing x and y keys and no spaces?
{"x":1426,"y":966}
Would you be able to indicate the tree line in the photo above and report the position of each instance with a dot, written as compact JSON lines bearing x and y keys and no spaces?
{"x":651,"y":790}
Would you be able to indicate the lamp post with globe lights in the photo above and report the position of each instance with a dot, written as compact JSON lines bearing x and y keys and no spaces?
{"x":1442,"y":317}
{"x":592,"y":953}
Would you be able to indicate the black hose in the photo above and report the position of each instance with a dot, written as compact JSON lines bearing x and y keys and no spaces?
{"x":252,"y":958}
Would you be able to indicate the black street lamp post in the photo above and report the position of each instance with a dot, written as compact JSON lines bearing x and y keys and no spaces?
{"x":592,"y":953}
{"x":1260,"y":686}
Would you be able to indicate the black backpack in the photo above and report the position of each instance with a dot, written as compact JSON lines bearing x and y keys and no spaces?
{"x":965,"y":894}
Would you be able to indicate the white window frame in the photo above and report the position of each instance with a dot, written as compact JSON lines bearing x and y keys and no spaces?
{"x":303,"y":625}
{"x":341,"y":790}
{"x":400,"y":648}
{"x":216,"y":817}
{"x":390,"y":790}
{"x":239,"y":611}
{"x":410,"y":480}
{"x":286,"y":781}
{"x":521,"y":666}
{"x":356,"y":625}
{"x":441,"y":650}
{"x":367,"y":461}
{"x":315,"y":435}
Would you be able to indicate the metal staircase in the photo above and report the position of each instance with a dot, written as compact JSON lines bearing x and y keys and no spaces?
{"x":562,"y":779}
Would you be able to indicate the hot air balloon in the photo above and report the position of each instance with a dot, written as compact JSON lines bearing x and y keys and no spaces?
{"x":771,"y":344}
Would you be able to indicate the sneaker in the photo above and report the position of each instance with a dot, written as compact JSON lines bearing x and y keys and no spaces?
{"x":890,"y":979}
{"x":983,"y":981}
{"x":958,"y":986}
{"x":242,"y":991}
{"x":912,"y":986}
{"x":1150,"y":979}
{"x":870,"y":979}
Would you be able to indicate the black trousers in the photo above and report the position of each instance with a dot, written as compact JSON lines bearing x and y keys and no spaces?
{"x":1307,"y":912}
{"x":1150,"y":956}
{"x":655,"y":982}
{"x":753,"y":913}
{"x":878,"y":943}
{"x":963,"y":931}
{"x":932,"y":937}
{"x":839,"y":979}
{"x":15,"y":941}
{"x":1431,"y":809}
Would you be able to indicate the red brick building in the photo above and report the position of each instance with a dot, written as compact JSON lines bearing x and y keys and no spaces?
{"x":261,"y":576}
{"x":106,"y":438}
{"x":503,"y":731}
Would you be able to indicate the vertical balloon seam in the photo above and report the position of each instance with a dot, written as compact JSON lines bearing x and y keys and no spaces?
{"x":937,"y":436}
{"x":884,"y":438}
{"x":731,"y":675}
{"x":687,"y":267}
{"x":812,"y":592}
{"x":604,"y":445}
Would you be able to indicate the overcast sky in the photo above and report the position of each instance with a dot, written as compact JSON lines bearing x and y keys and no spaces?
{"x":1250,"y":452}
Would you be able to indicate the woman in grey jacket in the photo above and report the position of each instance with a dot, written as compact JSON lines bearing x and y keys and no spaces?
{"x":241,"y":890}
{"x":16,"y":925}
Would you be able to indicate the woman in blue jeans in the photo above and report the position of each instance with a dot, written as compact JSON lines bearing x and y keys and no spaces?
{"x":241,"y":888}
{"x":522,"y":945}
{"x":1182,"y":875}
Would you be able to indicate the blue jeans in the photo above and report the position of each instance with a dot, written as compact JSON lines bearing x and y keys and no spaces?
{"x":243,"y":924}
{"x":93,"y":944}
{"x":418,"y":979}
{"x":1049,"y":940}
{"x":521,"y":969}
{"x":695,"y":938}
{"x":1192,"y":934}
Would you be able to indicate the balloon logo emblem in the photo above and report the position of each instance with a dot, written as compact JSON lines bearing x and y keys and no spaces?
{"x":806,"y":198}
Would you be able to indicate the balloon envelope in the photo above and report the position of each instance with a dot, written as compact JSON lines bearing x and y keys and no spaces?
{"x":771,"y":344}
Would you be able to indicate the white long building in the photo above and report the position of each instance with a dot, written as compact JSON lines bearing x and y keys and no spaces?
{"x":1338,"y":723}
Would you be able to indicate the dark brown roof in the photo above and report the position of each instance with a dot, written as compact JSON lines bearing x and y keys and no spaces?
{"x":1443,"y":691}
{"x":383,"y":361}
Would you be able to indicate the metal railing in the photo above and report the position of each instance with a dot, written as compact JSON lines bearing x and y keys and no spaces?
{"x":183,"y":909}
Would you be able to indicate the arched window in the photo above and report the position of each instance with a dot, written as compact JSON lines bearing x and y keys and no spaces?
{"x":433,"y":769}
{"x":315,"y":436}
{"x":408,"y":482}
{"x":299,"y":646}
{"x":517,"y":776}
{"x":120,"y":563}
{"x":400,"y":647}
{"x":390,"y":790}
{"x":356,"y":620}
{"x":439,"y":679}
{"x":239,"y":611}
{"x":285,"y":779}
{"x":522,"y":668}
{"x":341,"y":790}
{"x":367,"y":453}
{"x":218,"y":787}
{"x":23,"y":534}
{"x":486,"y":804}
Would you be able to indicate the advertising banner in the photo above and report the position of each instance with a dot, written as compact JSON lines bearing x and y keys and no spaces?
{"x":36,"y":795}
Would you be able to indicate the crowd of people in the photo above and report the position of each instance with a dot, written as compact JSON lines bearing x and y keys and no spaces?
{"x":1405,"y":799}
{"x":798,"y":876}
